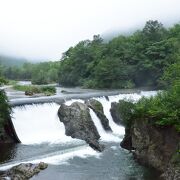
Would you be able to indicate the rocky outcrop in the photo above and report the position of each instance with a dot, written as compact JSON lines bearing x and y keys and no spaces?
{"x":97,"y":107}
{"x":154,"y":146}
{"x":8,"y":133}
{"x":115,"y":113}
{"x":78,"y":124}
{"x":23,"y":171}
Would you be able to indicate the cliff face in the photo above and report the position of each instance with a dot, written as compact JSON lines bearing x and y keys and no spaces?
{"x":156,"y":147}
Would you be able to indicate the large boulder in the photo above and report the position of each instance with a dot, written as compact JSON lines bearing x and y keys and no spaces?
{"x":23,"y":171}
{"x":78,"y":124}
{"x":97,"y":107}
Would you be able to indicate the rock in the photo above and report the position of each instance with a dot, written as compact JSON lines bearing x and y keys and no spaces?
{"x":155,"y":147}
{"x":29,"y":93}
{"x":78,"y":124}
{"x":127,"y":141}
{"x":115,"y":113}
{"x":64,"y":91}
{"x":23,"y":171}
{"x":97,"y":107}
{"x":8,"y":133}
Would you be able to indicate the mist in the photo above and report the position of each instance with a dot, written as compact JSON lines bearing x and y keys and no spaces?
{"x":44,"y":29}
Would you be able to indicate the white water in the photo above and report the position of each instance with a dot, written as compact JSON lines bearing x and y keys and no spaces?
{"x":105,"y":136}
{"x":57,"y":158}
{"x":39,"y":124}
{"x":119,"y":130}
{"x":69,"y":102}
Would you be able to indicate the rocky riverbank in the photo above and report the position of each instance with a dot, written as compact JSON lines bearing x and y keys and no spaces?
{"x":153,"y":146}
{"x":23,"y":171}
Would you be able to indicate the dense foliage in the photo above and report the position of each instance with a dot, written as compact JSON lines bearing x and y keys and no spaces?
{"x":40,"y":73}
{"x":5,"y":108}
{"x":163,"y":109}
{"x":125,"y":62}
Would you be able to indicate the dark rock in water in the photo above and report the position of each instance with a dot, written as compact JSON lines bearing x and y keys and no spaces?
{"x":23,"y":171}
{"x":155,"y":147}
{"x":95,"y":145}
{"x":107,"y":98}
{"x":64,"y":91}
{"x":29,"y":93}
{"x":8,"y":133}
{"x":127,"y":141}
{"x":78,"y":124}
{"x":115,"y":113}
{"x":97,"y":107}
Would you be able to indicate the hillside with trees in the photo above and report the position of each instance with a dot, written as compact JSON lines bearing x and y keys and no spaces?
{"x":127,"y":61}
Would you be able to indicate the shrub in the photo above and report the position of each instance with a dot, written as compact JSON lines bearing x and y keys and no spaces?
{"x":3,"y":81}
{"x":163,"y":109}
{"x":5,"y":109}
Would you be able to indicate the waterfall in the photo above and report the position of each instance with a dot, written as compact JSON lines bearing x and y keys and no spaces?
{"x":118,"y":130}
{"x":106,"y":103}
{"x":105,"y":136}
{"x":39,"y":124}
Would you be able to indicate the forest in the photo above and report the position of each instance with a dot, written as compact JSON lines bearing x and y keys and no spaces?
{"x":142,"y":59}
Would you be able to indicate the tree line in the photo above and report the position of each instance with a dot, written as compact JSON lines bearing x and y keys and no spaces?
{"x":130,"y":61}
{"x":142,"y":59}
{"x":40,"y":73}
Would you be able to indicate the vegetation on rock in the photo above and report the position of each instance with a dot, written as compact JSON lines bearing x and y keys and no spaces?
{"x":30,"y":89}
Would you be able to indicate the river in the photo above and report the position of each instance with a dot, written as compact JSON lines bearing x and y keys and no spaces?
{"x":43,"y":138}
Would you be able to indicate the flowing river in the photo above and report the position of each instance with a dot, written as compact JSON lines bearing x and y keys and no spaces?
{"x":43,"y":138}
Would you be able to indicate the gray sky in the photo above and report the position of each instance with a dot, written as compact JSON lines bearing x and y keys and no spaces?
{"x":43,"y":29}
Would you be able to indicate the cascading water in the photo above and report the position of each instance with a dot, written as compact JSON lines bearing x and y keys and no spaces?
{"x":106,"y":103}
{"x":105,"y":136}
{"x":118,"y":130}
{"x":39,"y":124}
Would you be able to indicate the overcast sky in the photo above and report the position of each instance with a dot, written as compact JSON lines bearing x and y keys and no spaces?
{"x":43,"y":29}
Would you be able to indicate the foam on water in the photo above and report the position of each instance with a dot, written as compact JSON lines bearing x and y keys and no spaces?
{"x":59,"y":157}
